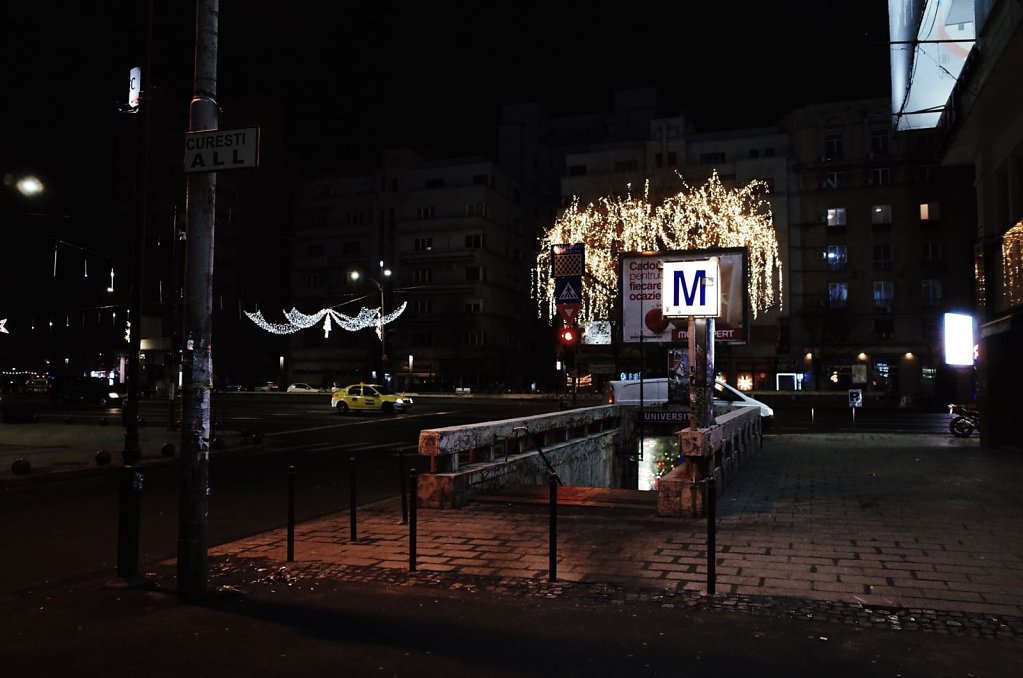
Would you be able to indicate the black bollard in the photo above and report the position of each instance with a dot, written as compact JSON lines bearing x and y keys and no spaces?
{"x":553,"y":547}
{"x":711,"y":540}
{"x":291,"y":513}
{"x":128,"y":522}
{"x":413,"y":490}
{"x":354,"y":535}
{"x":401,"y":484}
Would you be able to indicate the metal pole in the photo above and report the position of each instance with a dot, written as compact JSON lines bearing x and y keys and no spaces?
{"x":291,"y":513}
{"x":553,"y":532}
{"x":351,"y":494}
{"x":128,"y":523}
{"x":401,"y":483}
{"x":130,"y":414}
{"x":711,"y":537}
{"x":197,"y":359}
{"x":414,"y":490}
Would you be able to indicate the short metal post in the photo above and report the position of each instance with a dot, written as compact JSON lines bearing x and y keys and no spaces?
{"x":351,"y":511}
{"x":413,"y":490}
{"x":291,"y":513}
{"x":553,"y":547}
{"x":711,"y":537}
{"x":129,"y":521}
{"x":401,"y":483}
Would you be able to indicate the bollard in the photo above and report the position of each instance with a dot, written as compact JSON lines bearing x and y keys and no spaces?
{"x":413,"y":490}
{"x":401,"y":484}
{"x":711,"y":537}
{"x":130,"y":492}
{"x":291,"y":513}
{"x":354,"y":535}
{"x":553,"y":546}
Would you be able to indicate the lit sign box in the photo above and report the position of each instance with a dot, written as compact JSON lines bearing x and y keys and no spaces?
{"x":641,"y":283}
{"x":691,"y":289}
{"x":958,"y":339}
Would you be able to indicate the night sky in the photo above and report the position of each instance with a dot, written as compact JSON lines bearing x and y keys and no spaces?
{"x":361,"y":77}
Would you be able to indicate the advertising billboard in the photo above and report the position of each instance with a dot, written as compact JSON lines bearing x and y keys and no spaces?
{"x":642,"y":305}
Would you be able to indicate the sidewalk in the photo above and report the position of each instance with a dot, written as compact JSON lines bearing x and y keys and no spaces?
{"x":855,"y":554}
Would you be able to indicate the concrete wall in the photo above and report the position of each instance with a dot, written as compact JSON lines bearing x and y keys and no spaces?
{"x":583,"y":446}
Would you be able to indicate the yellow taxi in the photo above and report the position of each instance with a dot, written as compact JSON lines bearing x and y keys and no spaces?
{"x":368,"y":397}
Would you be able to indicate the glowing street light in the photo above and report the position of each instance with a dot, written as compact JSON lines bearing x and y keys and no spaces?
{"x":384,"y":273}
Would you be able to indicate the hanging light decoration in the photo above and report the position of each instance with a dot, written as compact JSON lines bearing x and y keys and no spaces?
{"x":299,"y":321}
{"x":3,"y":330}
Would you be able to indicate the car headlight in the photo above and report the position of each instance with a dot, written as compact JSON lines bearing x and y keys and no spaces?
{"x":113,"y":395}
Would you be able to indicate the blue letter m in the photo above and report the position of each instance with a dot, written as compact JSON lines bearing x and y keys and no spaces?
{"x":680,"y":283}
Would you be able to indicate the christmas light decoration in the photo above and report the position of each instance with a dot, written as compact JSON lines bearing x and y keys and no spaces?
{"x":299,"y":321}
{"x":3,"y":321}
{"x":1012,"y":264}
{"x":709,"y":216}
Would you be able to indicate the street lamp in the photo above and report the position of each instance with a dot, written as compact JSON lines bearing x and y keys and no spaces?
{"x":384,"y":273}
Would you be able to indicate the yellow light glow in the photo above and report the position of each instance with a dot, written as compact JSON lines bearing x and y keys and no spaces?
{"x":1012,"y":264}
{"x":745,"y":382}
{"x":709,"y":216}
{"x":862,"y":356}
{"x":29,"y":186}
{"x":809,"y":356}
{"x":909,"y":355}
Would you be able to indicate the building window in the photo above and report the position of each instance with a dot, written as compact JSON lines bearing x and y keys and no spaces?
{"x":474,"y":306}
{"x":314,"y":250}
{"x":836,"y":216}
{"x":435,"y":182}
{"x":882,"y":256}
{"x":881,"y":214}
{"x":879,"y":141}
{"x":423,"y":306}
{"x":625,"y":166}
{"x":423,"y":244}
{"x":929,"y":211}
{"x":476,"y":209}
{"x":475,"y":273}
{"x":838,"y":294}
{"x":711,"y":158}
{"x":834,"y":146}
{"x":930,"y":292}
{"x":836,"y":256}
{"x":834,"y":180}
{"x":884,"y":328}
{"x":474,"y":241}
{"x":577,"y":171}
{"x":884,"y":295}
{"x":754,"y":153}
{"x":477,"y":339}
{"x":930,"y":251}
{"x":422,"y":275}
{"x":355,"y":218}
{"x":879,"y":176}
{"x":314,"y":280}
{"x":480,"y":179}
{"x":769,"y":152}
{"x":351,"y":247}
{"x":426,"y":212}
{"x":422,"y":339}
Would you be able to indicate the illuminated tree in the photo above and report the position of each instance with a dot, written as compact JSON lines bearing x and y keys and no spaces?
{"x":710,"y":216}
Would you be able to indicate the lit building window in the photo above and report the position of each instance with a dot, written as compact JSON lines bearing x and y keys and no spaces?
{"x":929,"y":211}
{"x":836,"y":216}
{"x":881,"y":214}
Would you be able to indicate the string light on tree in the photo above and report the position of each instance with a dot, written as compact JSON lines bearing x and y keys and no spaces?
{"x":709,"y":216}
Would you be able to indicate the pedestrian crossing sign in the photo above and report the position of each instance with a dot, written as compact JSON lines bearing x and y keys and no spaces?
{"x":568,"y":290}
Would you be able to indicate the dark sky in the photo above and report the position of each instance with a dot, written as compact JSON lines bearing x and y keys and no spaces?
{"x":360,"y":77}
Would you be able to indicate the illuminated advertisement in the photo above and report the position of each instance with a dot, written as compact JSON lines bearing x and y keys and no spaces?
{"x":642,"y":305}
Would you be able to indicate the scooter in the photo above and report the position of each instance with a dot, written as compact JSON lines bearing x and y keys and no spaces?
{"x":964,"y":420}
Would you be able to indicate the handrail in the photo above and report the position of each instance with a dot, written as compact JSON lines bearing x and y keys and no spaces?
{"x":539,"y":448}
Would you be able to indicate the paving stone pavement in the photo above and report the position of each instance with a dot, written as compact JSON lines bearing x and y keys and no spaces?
{"x":900,"y":531}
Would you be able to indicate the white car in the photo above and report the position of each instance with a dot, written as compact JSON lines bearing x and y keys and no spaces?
{"x":302,"y":388}
{"x":655,"y":392}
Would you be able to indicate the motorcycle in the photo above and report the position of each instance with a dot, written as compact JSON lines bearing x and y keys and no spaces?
{"x":964,"y":420}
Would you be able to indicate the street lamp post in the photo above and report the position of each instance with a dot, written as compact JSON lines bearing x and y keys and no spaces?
{"x":384,"y":272}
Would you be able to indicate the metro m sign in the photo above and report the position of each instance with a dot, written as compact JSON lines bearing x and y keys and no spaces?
{"x":691,"y":289}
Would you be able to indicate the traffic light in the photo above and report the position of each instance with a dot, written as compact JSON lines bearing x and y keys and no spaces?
{"x":569,"y":337}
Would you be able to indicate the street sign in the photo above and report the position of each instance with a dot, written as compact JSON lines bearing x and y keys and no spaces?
{"x":855,"y":397}
{"x":134,"y":87}
{"x":569,"y":312}
{"x":218,"y":150}
{"x":568,"y":260}
{"x":568,"y":290}
{"x":691,"y":289}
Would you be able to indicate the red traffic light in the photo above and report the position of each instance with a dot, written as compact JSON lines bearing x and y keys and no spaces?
{"x":569,"y":336}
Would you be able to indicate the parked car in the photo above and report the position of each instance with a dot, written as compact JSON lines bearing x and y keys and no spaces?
{"x":302,"y":388}
{"x":368,"y":397}
{"x":655,"y":393}
{"x":86,"y":391}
